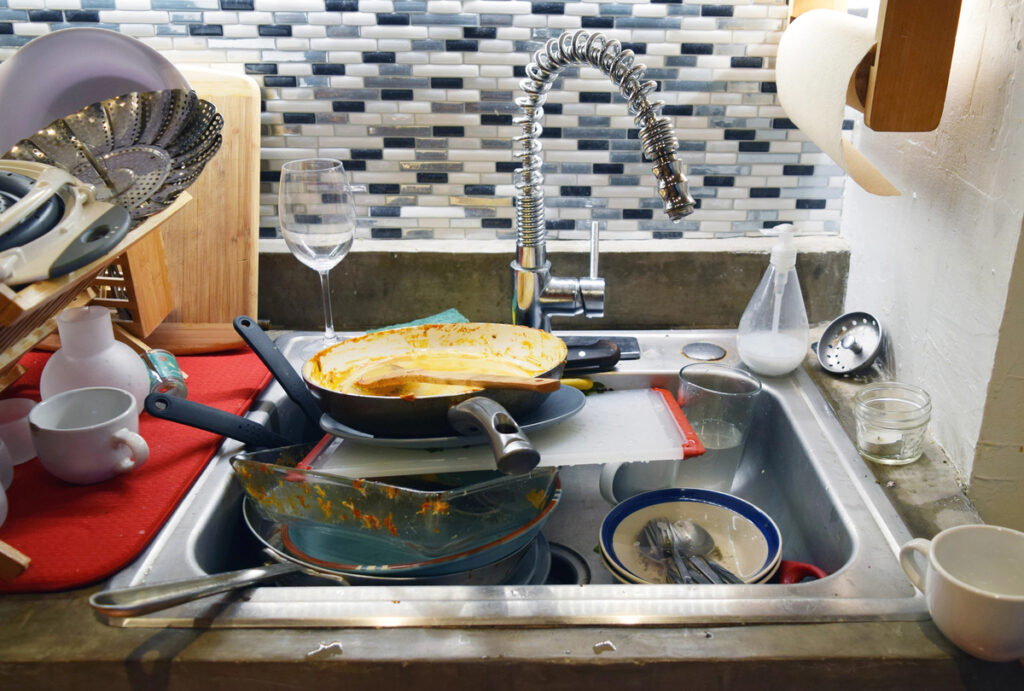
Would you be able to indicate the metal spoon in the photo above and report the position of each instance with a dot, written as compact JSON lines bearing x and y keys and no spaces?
{"x":693,"y":540}
{"x":656,"y":544}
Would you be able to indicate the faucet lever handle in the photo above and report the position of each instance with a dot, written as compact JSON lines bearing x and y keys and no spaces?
{"x":592,"y":287}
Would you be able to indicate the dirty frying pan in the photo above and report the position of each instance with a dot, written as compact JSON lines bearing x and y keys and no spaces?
{"x":419,"y":409}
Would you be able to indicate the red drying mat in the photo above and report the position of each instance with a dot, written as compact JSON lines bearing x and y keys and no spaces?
{"x":79,"y":534}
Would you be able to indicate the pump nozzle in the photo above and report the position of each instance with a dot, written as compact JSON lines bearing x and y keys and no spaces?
{"x":784,"y":252}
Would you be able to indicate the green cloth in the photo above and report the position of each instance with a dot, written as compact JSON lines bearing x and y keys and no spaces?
{"x":449,"y":316}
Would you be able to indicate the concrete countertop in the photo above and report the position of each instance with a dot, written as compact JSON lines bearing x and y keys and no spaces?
{"x":54,"y":640}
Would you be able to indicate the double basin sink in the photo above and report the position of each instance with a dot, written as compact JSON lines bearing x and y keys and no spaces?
{"x":799,"y":466}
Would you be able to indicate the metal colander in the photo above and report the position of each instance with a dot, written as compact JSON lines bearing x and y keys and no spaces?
{"x":140,"y":150}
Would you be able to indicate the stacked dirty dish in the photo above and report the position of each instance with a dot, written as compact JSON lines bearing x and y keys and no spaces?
{"x":453,"y":528}
{"x":746,"y":540}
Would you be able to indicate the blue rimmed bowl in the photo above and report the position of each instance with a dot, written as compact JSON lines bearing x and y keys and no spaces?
{"x":747,"y":541}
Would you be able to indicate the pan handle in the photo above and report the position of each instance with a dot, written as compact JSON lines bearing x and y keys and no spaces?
{"x":186,"y":412}
{"x":279,"y":366}
{"x":513,"y":452}
{"x":141,"y":599}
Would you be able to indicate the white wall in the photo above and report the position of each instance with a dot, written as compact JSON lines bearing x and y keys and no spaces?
{"x":934,"y":265}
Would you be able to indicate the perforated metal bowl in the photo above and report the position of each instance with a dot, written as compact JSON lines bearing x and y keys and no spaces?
{"x":139,"y":150}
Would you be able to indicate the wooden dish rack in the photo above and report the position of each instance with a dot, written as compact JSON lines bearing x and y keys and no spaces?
{"x":132,"y":279}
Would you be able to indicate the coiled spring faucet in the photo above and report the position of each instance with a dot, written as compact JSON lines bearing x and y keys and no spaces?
{"x":537,"y":295}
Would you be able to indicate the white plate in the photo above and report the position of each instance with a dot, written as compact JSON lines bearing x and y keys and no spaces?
{"x":60,"y":73}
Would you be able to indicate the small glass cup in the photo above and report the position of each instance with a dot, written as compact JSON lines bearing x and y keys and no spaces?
{"x":892,"y":419}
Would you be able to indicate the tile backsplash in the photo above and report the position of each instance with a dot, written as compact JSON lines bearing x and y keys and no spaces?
{"x":417,"y":98}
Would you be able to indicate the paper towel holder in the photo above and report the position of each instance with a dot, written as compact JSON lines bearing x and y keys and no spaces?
{"x":900,"y":85}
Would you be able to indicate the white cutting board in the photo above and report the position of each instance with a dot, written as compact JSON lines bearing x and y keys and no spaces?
{"x":634,"y":425}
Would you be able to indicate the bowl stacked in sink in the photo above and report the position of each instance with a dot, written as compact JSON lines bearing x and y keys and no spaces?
{"x":746,"y":540}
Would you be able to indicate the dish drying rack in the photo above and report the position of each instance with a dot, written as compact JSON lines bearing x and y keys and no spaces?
{"x":132,"y":279}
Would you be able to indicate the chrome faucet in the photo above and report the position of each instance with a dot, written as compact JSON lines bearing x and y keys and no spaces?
{"x":537,"y":294}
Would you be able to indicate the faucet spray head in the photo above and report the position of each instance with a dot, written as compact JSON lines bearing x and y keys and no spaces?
{"x":660,"y":145}
{"x":674,"y":190}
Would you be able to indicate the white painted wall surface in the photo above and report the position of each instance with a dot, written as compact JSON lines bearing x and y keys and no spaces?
{"x":934,"y":265}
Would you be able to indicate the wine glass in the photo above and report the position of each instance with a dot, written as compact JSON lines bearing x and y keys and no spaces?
{"x":318,"y":222}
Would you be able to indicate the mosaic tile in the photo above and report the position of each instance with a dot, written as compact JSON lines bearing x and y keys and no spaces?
{"x":417,"y":97}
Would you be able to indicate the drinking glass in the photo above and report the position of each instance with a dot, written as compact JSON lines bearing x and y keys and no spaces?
{"x":719,"y":402}
{"x":318,"y":222}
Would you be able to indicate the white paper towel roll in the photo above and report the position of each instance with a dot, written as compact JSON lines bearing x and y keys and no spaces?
{"x":818,"y":54}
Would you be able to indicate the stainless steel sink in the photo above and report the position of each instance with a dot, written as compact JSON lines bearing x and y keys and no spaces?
{"x":799,"y":466}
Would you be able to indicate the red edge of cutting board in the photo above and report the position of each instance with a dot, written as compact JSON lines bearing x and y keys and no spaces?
{"x":692,"y":446}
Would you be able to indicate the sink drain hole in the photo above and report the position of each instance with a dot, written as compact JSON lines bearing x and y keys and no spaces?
{"x":567,"y":567}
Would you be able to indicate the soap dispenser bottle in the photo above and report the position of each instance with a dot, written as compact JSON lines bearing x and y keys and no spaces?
{"x":773,"y":332}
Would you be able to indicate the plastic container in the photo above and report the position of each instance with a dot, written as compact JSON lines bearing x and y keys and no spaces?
{"x":773,"y":332}
{"x":89,"y":356}
{"x":892,"y":419}
{"x":165,"y":376}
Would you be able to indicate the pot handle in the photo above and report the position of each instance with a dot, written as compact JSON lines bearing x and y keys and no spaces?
{"x":186,"y":412}
{"x":293,"y":385}
{"x":142,"y":599}
{"x":513,"y":452}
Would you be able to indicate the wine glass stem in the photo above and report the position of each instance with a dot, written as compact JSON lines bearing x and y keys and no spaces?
{"x":325,"y":288}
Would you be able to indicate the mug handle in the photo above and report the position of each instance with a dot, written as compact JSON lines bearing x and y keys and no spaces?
{"x":908,"y":562}
{"x":136,"y":444}
{"x":607,"y":481}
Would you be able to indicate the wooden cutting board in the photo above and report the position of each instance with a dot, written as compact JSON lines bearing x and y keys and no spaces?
{"x":212,"y":245}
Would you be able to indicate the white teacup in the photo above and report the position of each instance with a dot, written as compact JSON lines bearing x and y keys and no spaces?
{"x":88,"y":435}
{"x":974,"y":585}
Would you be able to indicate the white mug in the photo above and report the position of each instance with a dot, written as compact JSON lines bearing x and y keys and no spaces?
{"x":620,"y":481}
{"x":88,"y":435}
{"x":974,"y":586}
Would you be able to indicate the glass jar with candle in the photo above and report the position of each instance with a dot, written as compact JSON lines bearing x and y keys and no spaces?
{"x":892,"y":419}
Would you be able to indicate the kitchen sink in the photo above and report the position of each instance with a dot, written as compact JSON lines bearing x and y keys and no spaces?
{"x":799,"y":466}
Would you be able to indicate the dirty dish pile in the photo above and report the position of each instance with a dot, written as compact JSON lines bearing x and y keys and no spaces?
{"x":747,"y":541}
{"x":417,"y":524}
{"x":523,"y":559}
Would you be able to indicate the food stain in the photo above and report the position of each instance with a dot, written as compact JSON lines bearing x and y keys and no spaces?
{"x":536,"y":497}
{"x":434,"y":507}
